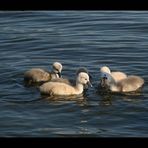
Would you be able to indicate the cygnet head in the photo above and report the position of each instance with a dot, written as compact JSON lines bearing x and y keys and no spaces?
{"x":57,"y":68}
{"x":83,"y":69}
{"x":106,"y":80}
{"x":83,"y":78}
{"x":105,"y":69}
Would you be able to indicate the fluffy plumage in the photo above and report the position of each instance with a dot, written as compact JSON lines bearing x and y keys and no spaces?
{"x":59,"y":88}
{"x":36,"y":75}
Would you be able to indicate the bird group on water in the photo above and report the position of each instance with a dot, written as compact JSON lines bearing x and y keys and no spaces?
{"x":53,"y":84}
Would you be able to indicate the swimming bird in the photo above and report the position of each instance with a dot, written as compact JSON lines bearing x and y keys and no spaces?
{"x":36,"y":75}
{"x":130,"y":84}
{"x":59,"y":88}
{"x":71,"y":81}
{"x":118,"y":76}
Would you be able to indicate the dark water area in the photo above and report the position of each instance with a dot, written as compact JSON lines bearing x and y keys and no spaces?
{"x":91,"y":39}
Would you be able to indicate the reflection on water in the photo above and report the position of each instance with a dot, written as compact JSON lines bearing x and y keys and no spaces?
{"x":106,"y":100}
{"x":78,"y":98}
{"x":107,"y":97}
{"x":64,"y":97}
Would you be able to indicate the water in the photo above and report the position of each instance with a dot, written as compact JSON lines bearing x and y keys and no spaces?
{"x":91,"y":39}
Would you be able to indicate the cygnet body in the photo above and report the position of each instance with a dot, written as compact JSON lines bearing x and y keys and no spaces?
{"x":39,"y":75}
{"x":59,"y":88}
{"x":129,"y":84}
